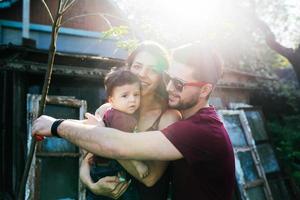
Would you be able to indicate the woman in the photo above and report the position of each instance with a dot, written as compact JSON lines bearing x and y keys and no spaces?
{"x":147,"y":61}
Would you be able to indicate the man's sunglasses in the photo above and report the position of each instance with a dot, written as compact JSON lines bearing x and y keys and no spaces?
{"x":178,"y":83}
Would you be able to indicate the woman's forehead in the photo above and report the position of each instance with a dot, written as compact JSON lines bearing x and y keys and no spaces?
{"x":145,"y":58}
{"x":150,"y":60}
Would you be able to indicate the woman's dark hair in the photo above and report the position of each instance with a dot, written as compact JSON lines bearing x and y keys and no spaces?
{"x":118,"y":77}
{"x":158,"y":52}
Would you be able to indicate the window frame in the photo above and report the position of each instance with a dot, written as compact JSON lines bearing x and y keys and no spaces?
{"x":250,"y":147}
{"x":33,"y":180}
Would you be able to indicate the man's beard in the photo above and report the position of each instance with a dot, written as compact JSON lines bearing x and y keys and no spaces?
{"x":186,"y":105}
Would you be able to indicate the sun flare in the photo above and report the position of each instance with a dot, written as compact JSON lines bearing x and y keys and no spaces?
{"x":189,"y":19}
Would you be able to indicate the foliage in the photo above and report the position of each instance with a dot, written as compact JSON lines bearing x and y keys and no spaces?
{"x":280,"y":100}
{"x":129,"y":45}
{"x":280,"y":62}
{"x":278,"y":97}
{"x":122,"y":35}
{"x":116,"y":32}
{"x":283,"y":18}
{"x":285,"y":133}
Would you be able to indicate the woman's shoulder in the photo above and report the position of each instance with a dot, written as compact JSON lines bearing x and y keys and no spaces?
{"x":102,"y":109}
{"x":169,"y":112}
{"x":169,"y":117}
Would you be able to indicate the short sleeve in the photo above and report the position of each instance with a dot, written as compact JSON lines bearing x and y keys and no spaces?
{"x":197,"y":143}
{"x":121,"y":121}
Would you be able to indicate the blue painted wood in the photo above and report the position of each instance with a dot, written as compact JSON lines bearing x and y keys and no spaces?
{"x":7,"y":3}
{"x":45,"y":28}
{"x":69,"y":40}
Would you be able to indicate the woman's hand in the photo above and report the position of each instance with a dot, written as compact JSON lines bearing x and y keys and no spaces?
{"x":109,"y":186}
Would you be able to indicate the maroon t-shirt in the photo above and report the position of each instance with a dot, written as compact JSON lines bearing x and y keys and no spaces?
{"x":120,"y":120}
{"x":206,"y":170}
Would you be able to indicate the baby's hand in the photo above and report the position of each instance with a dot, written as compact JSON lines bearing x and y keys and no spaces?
{"x":93,"y":120}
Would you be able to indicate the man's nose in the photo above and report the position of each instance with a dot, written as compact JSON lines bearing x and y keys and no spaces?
{"x":170,"y":87}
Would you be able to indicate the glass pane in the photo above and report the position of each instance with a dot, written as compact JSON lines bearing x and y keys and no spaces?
{"x":256,"y":193}
{"x":256,"y":124}
{"x":59,"y":178}
{"x":58,"y":144}
{"x":235,"y":130}
{"x":279,"y":190}
{"x":248,"y":166}
{"x":62,"y":111}
{"x":268,"y":158}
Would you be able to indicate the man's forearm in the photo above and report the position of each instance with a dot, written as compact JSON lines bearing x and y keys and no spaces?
{"x":94,"y":139}
{"x":108,"y":142}
{"x":112,"y":143}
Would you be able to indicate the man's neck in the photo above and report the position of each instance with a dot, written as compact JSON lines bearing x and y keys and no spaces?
{"x":186,"y":113}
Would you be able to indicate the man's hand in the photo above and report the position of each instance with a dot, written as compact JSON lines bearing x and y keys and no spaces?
{"x":42,"y":126}
{"x":110,"y":186}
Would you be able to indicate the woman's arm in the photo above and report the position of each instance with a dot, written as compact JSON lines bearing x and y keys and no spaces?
{"x":155,"y":171}
{"x":84,"y":173}
{"x":109,"y":186}
{"x":156,"y":168}
{"x":99,"y":113}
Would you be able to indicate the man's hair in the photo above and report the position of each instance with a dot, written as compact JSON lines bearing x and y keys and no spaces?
{"x":118,"y":77}
{"x":204,"y":59}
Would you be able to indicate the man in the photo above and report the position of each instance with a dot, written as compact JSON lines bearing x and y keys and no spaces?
{"x":198,"y":145}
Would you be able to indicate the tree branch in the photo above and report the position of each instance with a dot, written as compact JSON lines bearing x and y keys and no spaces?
{"x":68,"y":5}
{"x":271,"y":39}
{"x":48,"y":10}
{"x":65,"y":3}
{"x":101,"y":15}
{"x":60,"y":5}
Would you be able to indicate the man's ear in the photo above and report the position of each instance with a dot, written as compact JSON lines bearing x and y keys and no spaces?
{"x":206,"y":90}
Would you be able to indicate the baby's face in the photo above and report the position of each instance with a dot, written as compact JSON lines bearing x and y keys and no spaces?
{"x":126,"y":98}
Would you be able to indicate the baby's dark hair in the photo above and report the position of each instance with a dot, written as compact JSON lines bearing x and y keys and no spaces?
{"x":118,"y":77}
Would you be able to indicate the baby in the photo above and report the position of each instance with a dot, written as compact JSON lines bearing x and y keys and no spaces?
{"x":123,"y":92}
